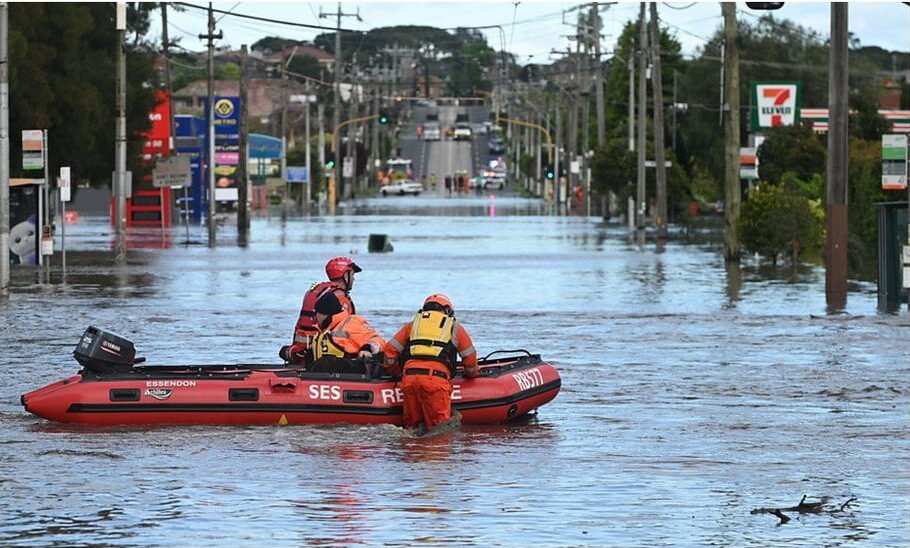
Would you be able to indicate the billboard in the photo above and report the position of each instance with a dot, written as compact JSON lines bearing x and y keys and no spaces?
{"x":24,"y":201}
{"x":227,"y":147}
{"x":775,"y":104}
{"x":158,"y":138}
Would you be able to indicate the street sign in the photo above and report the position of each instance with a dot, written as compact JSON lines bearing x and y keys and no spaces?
{"x":652,"y":163}
{"x":347,"y":167}
{"x":64,"y":184}
{"x":894,"y":162}
{"x":748,"y":163}
{"x":297,"y":174}
{"x":173,"y":171}
{"x":32,"y":149}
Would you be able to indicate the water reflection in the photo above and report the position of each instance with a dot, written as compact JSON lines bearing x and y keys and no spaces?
{"x":734,"y":283}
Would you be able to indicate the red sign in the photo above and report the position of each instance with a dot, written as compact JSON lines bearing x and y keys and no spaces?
{"x":157,"y":140}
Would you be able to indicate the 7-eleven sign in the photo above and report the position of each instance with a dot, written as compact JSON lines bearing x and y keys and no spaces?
{"x":775,"y":104}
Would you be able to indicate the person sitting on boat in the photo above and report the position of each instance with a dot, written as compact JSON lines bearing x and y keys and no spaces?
{"x":340,"y":271}
{"x":342,"y":338}
{"x":427,"y":349}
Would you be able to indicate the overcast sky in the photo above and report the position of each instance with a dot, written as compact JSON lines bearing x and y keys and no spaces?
{"x":532,"y":30}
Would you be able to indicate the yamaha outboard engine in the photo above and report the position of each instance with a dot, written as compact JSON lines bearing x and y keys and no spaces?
{"x":101,"y":352}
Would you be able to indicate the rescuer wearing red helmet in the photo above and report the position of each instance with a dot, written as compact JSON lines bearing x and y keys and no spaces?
{"x":427,"y":350}
{"x":340,"y":271}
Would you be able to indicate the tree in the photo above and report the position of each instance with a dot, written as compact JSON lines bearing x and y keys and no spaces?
{"x":865,"y":176}
{"x":777,"y":219}
{"x":62,"y":74}
{"x":613,"y":168}
{"x":795,"y":149}
{"x":306,"y":65}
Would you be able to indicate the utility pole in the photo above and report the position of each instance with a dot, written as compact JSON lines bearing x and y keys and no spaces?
{"x":675,"y":74}
{"x":285,"y":61}
{"x":836,"y":192}
{"x":631,"y":64}
{"x":120,"y":141}
{"x":598,"y":77}
{"x":660,"y":220}
{"x":243,"y":217}
{"x":642,"y":115}
{"x":730,"y":111}
{"x":210,"y":114}
{"x":166,"y":47}
{"x":4,"y":150}
{"x":336,"y":103}
{"x":307,"y":153}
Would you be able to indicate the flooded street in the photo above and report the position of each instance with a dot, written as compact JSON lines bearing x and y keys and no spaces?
{"x":692,"y":394}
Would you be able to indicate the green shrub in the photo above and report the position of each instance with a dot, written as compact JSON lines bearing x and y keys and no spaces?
{"x":777,"y":219}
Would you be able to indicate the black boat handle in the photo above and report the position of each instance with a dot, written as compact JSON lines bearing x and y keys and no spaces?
{"x":526,"y":353}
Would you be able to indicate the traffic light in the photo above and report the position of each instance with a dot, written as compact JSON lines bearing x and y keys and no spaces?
{"x":384,"y":117}
{"x":329,"y":160}
{"x":549,"y":172}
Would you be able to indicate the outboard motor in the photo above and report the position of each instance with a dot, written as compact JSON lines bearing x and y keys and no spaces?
{"x":102,"y":352}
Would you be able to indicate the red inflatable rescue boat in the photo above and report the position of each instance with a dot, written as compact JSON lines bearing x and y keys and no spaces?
{"x":112,"y":389}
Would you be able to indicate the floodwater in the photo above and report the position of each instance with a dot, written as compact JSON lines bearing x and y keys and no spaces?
{"x":691,"y":395}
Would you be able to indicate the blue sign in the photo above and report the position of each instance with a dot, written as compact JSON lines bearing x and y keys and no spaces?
{"x":297,"y":174}
{"x":227,"y":118}
{"x":264,"y":146}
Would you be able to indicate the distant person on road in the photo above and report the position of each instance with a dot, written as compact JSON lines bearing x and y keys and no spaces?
{"x":342,"y":338}
{"x":433,"y":181}
{"x":448,"y":183}
{"x":425,"y":352}
{"x":340,"y":271}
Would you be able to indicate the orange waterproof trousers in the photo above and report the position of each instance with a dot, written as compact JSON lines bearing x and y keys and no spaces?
{"x":427,"y":399}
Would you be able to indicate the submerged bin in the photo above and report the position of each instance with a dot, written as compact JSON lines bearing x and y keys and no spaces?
{"x":892,"y":236}
{"x":379,"y":243}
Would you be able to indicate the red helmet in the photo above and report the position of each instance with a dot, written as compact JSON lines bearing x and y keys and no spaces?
{"x":439,"y":299}
{"x":336,"y":267}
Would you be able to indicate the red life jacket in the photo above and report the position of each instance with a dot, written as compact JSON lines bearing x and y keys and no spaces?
{"x":306,"y":327}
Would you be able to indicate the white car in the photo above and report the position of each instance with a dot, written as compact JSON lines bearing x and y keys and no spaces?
{"x":462,"y":132}
{"x":401,"y":187}
{"x":432,"y":132}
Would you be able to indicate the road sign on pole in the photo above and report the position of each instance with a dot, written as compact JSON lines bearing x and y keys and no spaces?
{"x":32,"y":149}
{"x":297,"y":174}
{"x":894,"y":162}
{"x":174,"y":171}
{"x":64,"y":184}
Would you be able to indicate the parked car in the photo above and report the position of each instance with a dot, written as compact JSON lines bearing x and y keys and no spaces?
{"x":481,"y":129}
{"x":496,"y":145}
{"x":462,"y":132}
{"x":432,"y":131}
{"x":402,"y":187}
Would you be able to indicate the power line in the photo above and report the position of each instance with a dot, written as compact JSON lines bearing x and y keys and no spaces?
{"x":266,"y":20}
